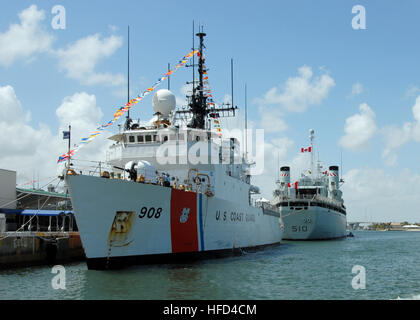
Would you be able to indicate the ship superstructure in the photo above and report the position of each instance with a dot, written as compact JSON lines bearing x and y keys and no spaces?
{"x":175,"y":189}
{"x":312,"y":208}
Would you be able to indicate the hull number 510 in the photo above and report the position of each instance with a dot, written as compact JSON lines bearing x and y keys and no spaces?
{"x":299,"y":228}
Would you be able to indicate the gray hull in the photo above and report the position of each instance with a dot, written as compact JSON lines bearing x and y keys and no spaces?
{"x":314,"y":223}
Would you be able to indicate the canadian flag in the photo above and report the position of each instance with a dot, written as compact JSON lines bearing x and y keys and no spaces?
{"x":295,"y":184}
{"x":308,"y":149}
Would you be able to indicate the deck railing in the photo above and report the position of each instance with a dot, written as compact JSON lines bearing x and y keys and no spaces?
{"x":311,"y":197}
{"x":96,"y":168}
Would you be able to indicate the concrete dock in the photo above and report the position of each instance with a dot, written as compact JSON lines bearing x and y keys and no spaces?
{"x":20,"y":249}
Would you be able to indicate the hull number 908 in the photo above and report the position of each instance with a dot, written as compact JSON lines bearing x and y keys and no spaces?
{"x":150,"y":212}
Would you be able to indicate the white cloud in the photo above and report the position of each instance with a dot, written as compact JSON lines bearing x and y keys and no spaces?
{"x":377,"y":195}
{"x":271,"y":120}
{"x":300,"y":92}
{"x":14,"y":127}
{"x":412,"y":91}
{"x":23,"y":40}
{"x":80,"y":59}
{"x":358,"y":129}
{"x":84,"y":116}
{"x":275,"y":154}
{"x":283,"y":145}
{"x":26,"y":149}
{"x":395,"y":137}
{"x":34,"y":150}
{"x":416,"y":124}
{"x":356,"y":89}
{"x":80,"y":111}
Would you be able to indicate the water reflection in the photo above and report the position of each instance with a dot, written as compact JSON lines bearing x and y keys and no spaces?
{"x":293,"y":270}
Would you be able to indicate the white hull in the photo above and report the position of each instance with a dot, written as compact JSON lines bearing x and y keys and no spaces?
{"x":314,"y":223}
{"x":120,"y":219}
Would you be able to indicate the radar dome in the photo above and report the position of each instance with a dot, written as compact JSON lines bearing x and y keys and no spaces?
{"x":164,"y":102}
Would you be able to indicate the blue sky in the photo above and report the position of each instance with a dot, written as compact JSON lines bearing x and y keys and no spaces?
{"x":269,"y":41}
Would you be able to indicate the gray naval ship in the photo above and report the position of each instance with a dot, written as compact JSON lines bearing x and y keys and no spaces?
{"x":312,"y":208}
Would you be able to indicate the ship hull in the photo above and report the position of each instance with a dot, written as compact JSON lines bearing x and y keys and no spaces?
{"x":119,"y":262}
{"x":314,"y":223}
{"x":123,"y":222}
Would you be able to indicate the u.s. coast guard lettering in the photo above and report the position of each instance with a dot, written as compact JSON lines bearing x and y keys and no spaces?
{"x":234,"y":216}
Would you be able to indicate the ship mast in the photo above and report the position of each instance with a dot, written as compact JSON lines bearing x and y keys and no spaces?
{"x":198,"y":108}
{"x":198,"y":104}
{"x":312,"y":137}
{"x":128,"y":120}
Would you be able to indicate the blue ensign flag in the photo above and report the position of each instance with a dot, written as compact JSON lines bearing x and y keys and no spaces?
{"x":66,"y":134}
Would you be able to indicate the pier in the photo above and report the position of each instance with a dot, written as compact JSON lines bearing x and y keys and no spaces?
{"x":20,"y":249}
{"x":36,"y":226}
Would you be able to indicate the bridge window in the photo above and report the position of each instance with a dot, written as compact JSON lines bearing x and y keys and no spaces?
{"x":131,"y":139}
{"x":148,"y":138}
{"x":140,"y":138}
{"x":298,"y":203}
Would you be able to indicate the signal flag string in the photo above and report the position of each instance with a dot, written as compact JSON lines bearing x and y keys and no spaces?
{"x":126,"y":107}
{"x":209,"y":96}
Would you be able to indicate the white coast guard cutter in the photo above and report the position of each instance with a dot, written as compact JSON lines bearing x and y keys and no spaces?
{"x":171,"y":206}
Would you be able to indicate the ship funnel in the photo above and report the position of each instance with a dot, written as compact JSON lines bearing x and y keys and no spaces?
{"x":284,"y":177}
{"x":333,"y":178}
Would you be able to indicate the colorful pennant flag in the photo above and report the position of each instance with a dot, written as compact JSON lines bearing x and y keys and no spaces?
{"x":209,"y":98}
{"x":126,"y":107}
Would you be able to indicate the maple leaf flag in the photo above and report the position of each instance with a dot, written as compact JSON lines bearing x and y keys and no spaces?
{"x":295,"y":184}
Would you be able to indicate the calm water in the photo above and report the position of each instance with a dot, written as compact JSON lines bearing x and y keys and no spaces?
{"x":293,"y":270}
